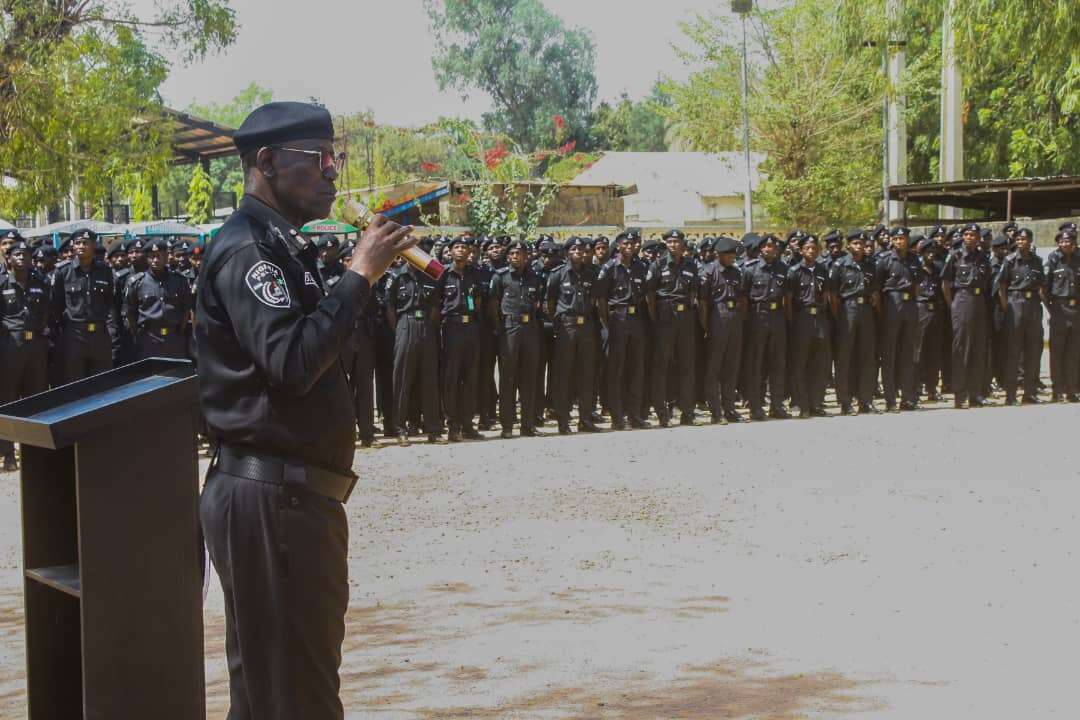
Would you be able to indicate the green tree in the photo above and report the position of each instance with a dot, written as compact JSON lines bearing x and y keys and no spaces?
{"x":79,"y":103}
{"x":814,"y":110}
{"x":523,"y":57}
{"x":200,"y":201}
{"x":629,"y":125}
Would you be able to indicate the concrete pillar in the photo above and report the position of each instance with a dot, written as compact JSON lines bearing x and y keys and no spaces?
{"x":952,"y":124}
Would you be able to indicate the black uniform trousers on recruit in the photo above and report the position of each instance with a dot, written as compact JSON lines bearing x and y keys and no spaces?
{"x":544,"y":372}
{"x":153,"y":343}
{"x":1065,"y":345}
{"x":931,"y":346}
{"x":626,"y":364}
{"x":811,"y":357}
{"x":767,"y":353}
{"x":271,"y":545}
{"x":856,"y":358}
{"x":385,"y":341}
{"x":488,"y":353}
{"x":970,"y":321}
{"x":998,"y":346}
{"x":84,"y":353}
{"x":1023,"y":331}
{"x":899,"y":335}
{"x":573,"y":366}
{"x":722,"y":358}
{"x":23,"y":372}
{"x":674,"y":345}
{"x":519,"y":351}
{"x":359,"y":360}
{"x":416,"y":359}
{"x":459,"y":371}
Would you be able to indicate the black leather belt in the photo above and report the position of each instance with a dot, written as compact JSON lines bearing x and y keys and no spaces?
{"x":87,"y":325}
{"x":1025,"y":294}
{"x":458,"y":319}
{"x":515,"y":320}
{"x":159,"y":330}
{"x":274,"y":470}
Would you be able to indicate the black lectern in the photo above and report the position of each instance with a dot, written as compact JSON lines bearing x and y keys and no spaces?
{"x":111,"y":549}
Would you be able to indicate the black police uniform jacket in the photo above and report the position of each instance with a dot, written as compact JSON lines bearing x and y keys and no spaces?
{"x":269,"y":340}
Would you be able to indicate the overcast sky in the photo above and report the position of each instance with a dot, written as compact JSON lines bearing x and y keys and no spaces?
{"x":364,"y":54}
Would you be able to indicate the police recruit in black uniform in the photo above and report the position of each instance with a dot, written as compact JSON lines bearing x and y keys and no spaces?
{"x":274,"y":391}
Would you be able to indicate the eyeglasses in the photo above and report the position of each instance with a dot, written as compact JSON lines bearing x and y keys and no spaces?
{"x":327,"y":159}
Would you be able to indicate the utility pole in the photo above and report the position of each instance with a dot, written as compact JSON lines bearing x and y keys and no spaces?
{"x":744,"y":8}
{"x":369,"y":148}
{"x":951,"y":165}
{"x":895,"y":110}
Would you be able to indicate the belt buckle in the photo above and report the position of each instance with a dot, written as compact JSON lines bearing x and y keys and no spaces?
{"x":525,"y":318}
{"x":929,"y":306}
{"x":1027,"y":295}
{"x":813,"y":311}
{"x":29,"y":335}
{"x":580,"y":319}
{"x":465,"y":319}
{"x":860,"y":300}
{"x":978,"y":291}
{"x":731,"y":304}
{"x":1072,"y":302}
{"x":772,"y":306}
{"x":164,"y":332}
{"x":906,"y":296}
{"x":631,"y":310}
{"x":91,"y":327}
{"x":679,"y":307}
{"x":418,"y":314}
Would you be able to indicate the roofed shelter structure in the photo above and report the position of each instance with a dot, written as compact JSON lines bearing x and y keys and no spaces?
{"x":195,"y":140}
{"x":1036,"y":198}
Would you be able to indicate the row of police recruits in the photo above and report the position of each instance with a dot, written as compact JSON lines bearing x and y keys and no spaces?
{"x":635,"y":327}
{"x":72,"y":312}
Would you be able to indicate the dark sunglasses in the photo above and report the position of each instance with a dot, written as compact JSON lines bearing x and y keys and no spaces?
{"x":327,"y":159}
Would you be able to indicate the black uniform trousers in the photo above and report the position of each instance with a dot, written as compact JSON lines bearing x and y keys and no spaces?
{"x":519,"y":352}
{"x":573,"y":366}
{"x":83,"y":352}
{"x":385,"y":341}
{"x":674,"y":345}
{"x":998,"y":346}
{"x":767,"y":355}
{"x":544,"y":372}
{"x":488,"y":353}
{"x":930,"y":349}
{"x":359,"y":362}
{"x":281,"y":556}
{"x":1065,"y":345}
{"x":626,"y":364}
{"x":899,"y":335}
{"x":811,"y":357}
{"x":460,"y":360}
{"x":722,"y":358}
{"x":24,"y":371}
{"x":166,"y":342}
{"x":856,"y":351}
{"x":970,"y":321}
{"x":416,"y":372}
{"x":1023,"y":330}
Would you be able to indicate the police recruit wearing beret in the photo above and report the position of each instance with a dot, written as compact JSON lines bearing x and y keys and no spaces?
{"x":269,"y":337}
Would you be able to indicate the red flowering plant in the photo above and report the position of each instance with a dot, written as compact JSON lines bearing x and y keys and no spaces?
{"x":430,"y":168}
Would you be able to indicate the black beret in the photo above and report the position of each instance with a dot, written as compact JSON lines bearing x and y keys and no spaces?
{"x":327,"y":240}
{"x":1009,"y":225}
{"x":281,"y":122}
{"x":574,"y":242}
{"x":915,"y":239}
{"x":426,"y":244}
{"x":459,"y":240}
{"x":725,"y":245}
{"x":987,"y":233}
{"x":674,"y":234}
{"x":504,"y":240}
{"x":44,"y":251}
{"x":857,"y":234}
{"x":12,"y":234}
{"x":1026,"y":232}
{"x":833,"y":236}
{"x":751,"y":240}
{"x":927,"y":243}
{"x":971,"y":227}
{"x":601,"y":239}
{"x":764,"y":239}
{"x":117,"y":249}
{"x":158,"y":243}
{"x":1000,"y":240}
{"x":182,"y":247}
{"x":900,"y":230}
{"x":18,"y":245}
{"x":651,"y":245}
{"x":83,"y":234}
{"x":518,"y":245}
{"x":878,"y":231}
{"x":546,"y":245}
{"x":936,"y":230}
{"x":1065,"y":234}
{"x":1069,"y":225}
{"x":706,"y":244}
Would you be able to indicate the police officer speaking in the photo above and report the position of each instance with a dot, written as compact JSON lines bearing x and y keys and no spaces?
{"x":280,"y":416}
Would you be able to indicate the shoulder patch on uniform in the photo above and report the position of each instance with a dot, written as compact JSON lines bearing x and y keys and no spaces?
{"x":267,"y":283}
{"x":309,"y":279}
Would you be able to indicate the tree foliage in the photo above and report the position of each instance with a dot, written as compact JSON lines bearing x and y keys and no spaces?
{"x":523,"y":57}
{"x":79,"y":106}
{"x":814,"y":110}
{"x":200,"y":200}
{"x":630,"y":126}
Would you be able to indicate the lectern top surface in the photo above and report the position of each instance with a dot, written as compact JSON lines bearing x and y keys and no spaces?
{"x":81,"y":406}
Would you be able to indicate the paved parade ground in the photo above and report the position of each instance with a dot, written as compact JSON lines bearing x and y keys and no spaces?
{"x":902,"y":566}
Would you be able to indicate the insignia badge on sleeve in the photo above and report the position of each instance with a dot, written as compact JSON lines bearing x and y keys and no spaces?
{"x":267,"y":283}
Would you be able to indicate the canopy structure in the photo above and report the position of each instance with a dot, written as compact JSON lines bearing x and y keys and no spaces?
{"x":5,"y":225}
{"x":67,"y":227}
{"x":1049,"y":197}
{"x":162,"y":227}
{"x":208,"y":231}
{"x":328,"y":227}
{"x":197,"y":140}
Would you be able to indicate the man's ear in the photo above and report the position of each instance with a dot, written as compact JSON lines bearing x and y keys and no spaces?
{"x":264,"y":162}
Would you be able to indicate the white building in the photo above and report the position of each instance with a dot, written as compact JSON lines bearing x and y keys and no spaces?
{"x":678,"y":189}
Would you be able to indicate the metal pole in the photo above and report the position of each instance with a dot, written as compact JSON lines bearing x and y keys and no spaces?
{"x":748,"y":209}
{"x":885,"y":136}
